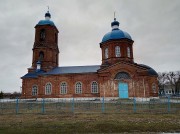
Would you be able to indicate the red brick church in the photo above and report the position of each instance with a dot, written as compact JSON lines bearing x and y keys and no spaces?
{"x":117,"y":76}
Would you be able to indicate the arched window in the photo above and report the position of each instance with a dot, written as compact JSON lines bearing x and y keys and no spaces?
{"x":94,"y":87}
{"x":117,"y":51}
{"x":106,"y":53}
{"x":41,"y":56}
{"x":78,"y":88}
{"x":56,"y":38}
{"x":42,"y":34}
{"x":57,"y":59}
{"x":63,"y":88}
{"x":122,"y":75}
{"x":154,"y":88}
{"x":48,"y":89}
{"x":128,"y":52}
{"x":34,"y":90}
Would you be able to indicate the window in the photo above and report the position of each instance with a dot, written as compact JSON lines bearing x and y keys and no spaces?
{"x":128,"y":52}
{"x":94,"y":87}
{"x":56,"y":38}
{"x":106,"y":53}
{"x":117,"y":51}
{"x":42,"y":35}
{"x":41,"y":56}
{"x":63,"y":89}
{"x":122,"y":75}
{"x":34,"y":90}
{"x":154,"y":87}
{"x":78,"y":88}
{"x":48,"y":89}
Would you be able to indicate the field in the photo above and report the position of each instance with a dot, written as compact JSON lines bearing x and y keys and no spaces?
{"x":89,"y":123}
{"x":74,"y":116}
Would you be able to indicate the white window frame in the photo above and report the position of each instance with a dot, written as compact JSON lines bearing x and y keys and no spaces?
{"x":63,"y":88}
{"x":154,"y":87}
{"x":34,"y":93}
{"x":94,"y":87}
{"x":78,"y":88}
{"x":106,"y":55}
{"x":128,"y":52}
{"x":48,"y":89}
{"x":117,"y":51}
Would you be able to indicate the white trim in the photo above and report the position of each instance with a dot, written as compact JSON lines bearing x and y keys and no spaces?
{"x":36,"y":89}
{"x":128,"y":52}
{"x":48,"y":89}
{"x":66,"y":86}
{"x":117,"y":51}
{"x":96,"y":87}
{"x":106,"y":53}
{"x":79,"y":90}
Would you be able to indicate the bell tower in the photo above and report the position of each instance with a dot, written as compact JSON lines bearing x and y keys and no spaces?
{"x":45,"y":49}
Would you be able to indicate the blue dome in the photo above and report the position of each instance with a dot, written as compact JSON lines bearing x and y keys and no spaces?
{"x":46,"y":22}
{"x":116,"y":34}
{"x":151,"y":71}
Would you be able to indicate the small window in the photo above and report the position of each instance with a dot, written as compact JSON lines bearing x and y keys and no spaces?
{"x":34,"y":90}
{"x":78,"y":88}
{"x":94,"y":87}
{"x":106,"y":53}
{"x":128,"y":52}
{"x":41,"y":56}
{"x":56,"y":38}
{"x":42,"y":35}
{"x":117,"y":51}
{"x":48,"y":89}
{"x":63,"y":89}
{"x":154,"y":88}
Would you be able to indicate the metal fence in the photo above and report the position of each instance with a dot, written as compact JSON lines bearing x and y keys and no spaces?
{"x":100,"y":105}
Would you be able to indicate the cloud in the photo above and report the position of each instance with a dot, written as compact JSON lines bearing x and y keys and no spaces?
{"x":153,"y":25}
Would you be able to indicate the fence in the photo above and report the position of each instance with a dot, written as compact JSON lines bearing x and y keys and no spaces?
{"x":101,"y":105}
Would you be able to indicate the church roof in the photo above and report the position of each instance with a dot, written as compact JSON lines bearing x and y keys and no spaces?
{"x":65,"y":70}
{"x":74,"y":69}
{"x":46,"y":22}
{"x":151,"y":71}
{"x":33,"y":74}
{"x":116,"y":33}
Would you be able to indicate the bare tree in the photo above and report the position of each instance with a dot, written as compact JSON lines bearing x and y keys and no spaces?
{"x":177,"y":83}
{"x":172,"y":79}
{"x":162,"y":78}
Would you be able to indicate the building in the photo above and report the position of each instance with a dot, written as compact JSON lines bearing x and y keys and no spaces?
{"x":118,"y":75}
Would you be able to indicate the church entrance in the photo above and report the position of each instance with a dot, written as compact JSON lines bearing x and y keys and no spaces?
{"x":121,"y":77}
{"x":123,"y":90}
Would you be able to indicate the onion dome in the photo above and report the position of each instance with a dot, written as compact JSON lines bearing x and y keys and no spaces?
{"x":116,"y":33}
{"x":47,"y":15}
{"x":115,"y":24}
{"x":47,"y":20}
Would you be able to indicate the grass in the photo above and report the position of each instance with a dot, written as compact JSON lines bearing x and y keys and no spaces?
{"x":89,"y":123}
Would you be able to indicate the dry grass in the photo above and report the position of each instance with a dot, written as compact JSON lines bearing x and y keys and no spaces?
{"x":89,"y":123}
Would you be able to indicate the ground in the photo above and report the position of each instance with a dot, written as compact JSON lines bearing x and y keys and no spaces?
{"x":89,"y":123}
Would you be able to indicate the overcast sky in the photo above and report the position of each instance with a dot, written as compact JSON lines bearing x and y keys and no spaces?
{"x":154,"y":25}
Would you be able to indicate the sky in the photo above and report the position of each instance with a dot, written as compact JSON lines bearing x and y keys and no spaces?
{"x":154,"y":25}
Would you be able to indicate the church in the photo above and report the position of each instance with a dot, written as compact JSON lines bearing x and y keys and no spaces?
{"x":118,"y":76}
